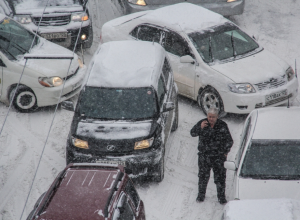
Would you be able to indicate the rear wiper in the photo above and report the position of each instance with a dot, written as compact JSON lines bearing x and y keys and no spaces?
{"x":233,"y":46}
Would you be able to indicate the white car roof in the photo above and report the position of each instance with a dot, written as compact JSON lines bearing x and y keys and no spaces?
{"x":185,"y":17}
{"x":261,"y":209}
{"x":121,"y":64}
{"x":277,"y":123}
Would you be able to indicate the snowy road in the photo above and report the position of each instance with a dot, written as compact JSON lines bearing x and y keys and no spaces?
{"x":274,"y":24}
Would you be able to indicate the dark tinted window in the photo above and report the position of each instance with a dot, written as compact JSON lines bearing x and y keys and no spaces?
{"x":118,"y":103}
{"x":166,"y":70}
{"x":134,"y":32}
{"x":130,"y":190}
{"x":126,"y":212}
{"x":14,"y":39}
{"x":161,"y":91}
{"x":222,"y":42}
{"x":147,"y":33}
{"x":272,"y":159}
{"x":176,"y":45}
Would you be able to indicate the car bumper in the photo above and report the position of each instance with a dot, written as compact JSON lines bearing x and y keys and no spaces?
{"x":142,"y":164}
{"x":245,"y":103}
{"x":50,"y":95}
{"x":223,"y":8}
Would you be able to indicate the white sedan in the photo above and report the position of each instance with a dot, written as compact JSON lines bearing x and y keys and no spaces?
{"x":42,"y":79}
{"x":213,"y":60}
{"x":267,"y":164}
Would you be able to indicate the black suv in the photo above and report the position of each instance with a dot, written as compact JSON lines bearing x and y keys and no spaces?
{"x":126,"y":110}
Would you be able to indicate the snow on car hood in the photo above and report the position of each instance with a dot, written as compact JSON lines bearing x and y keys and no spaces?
{"x":253,"y":69}
{"x":36,"y":7}
{"x":268,"y":189}
{"x":113,"y":130}
{"x":50,"y":67}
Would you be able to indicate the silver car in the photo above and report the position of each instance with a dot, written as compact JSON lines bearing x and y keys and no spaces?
{"x":223,"y":7}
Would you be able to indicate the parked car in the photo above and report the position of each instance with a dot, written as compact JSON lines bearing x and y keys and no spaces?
{"x":90,"y":191}
{"x":125,"y":111}
{"x":60,"y":22}
{"x":223,"y":7}
{"x":267,"y":163}
{"x":42,"y":79}
{"x":215,"y":63}
{"x":262,"y":209}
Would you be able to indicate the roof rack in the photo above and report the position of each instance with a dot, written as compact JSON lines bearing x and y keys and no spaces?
{"x":114,"y":188}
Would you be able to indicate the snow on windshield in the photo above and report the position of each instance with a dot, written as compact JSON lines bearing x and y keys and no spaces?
{"x":27,"y":4}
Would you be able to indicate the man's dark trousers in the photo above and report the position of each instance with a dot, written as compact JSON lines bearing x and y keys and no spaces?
{"x":207,"y":162}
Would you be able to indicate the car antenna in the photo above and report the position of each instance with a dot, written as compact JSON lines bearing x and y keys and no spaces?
{"x":233,"y":46}
{"x":210,"y":50}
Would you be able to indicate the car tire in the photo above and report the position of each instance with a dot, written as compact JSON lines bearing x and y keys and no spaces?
{"x":175,"y":122}
{"x":25,"y":100}
{"x":208,"y":98}
{"x":160,"y":171}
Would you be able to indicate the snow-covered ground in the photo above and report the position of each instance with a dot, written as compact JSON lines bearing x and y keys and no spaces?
{"x":273,"y":23}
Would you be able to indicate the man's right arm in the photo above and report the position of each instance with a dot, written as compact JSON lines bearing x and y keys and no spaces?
{"x":196,"y":130}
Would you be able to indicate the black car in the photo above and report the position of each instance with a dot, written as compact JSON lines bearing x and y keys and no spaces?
{"x":126,"y":110}
{"x":59,"y":21}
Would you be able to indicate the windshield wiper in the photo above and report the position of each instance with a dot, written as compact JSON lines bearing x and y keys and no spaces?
{"x":233,"y":46}
{"x":210,"y":50}
{"x":275,"y":177}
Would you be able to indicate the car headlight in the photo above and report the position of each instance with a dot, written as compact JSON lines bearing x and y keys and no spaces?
{"x":23,"y":19}
{"x":138,"y":2}
{"x":241,"y":88}
{"x":80,"y":63}
{"x":290,"y":73}
{"x":51,"y":81}
{"x":143,"y":144}
{"x":80,"y":143}
{"x":79,"y":17}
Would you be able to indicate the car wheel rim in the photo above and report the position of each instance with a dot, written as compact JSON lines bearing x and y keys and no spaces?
{"x":210,"y":100}
{"x":26,"y":100}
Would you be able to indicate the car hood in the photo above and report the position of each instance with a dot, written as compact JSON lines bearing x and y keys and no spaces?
{"x":50,"y":67}
{"x":268,"y":189}
{"x":253,"y":69}
{"x":36,"y":7}
{"x":113,"y":130}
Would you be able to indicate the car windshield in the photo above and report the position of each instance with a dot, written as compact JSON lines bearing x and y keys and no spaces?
{"x":27,"y":4}
{"x":118,"y":103}
{"x":269,"y":159}
{"x":222,"y":42}
{"x":14,"y":39}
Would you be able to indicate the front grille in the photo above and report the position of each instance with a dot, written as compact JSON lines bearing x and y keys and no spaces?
{"x":52,"y":21}
{"x":260,"y":105}
{"x":272,"y":83}
{"x":70,"y":76}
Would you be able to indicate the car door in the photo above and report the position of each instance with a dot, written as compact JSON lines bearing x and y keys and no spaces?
{"x":184,"y":73}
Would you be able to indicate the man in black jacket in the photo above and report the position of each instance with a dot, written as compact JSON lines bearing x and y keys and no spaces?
{"x":214,"y":144}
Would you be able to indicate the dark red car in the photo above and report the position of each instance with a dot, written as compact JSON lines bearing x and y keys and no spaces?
{"x":90,"y":191}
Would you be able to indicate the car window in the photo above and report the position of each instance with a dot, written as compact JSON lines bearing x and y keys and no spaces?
{"x":244,"y":139}
{"x":166,"y":70}
{"x":130,"y":190}
{"x":161,"y":91}
{"x":134,"y":32}
{"x":176,"y":45}
{"x":148,"y":33}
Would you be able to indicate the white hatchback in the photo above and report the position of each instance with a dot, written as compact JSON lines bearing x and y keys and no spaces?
{"x":213,"y":60}
{"x":43,"y":79}
{"x":267,"y":164}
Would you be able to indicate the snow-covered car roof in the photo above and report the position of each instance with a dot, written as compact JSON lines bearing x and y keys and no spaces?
{"x":175,"y":17}
{"x":121,"y":64}
{"x":261,"y":209}
{"x":277,"y":123}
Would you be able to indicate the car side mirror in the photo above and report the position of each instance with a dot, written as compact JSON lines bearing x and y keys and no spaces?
{"x":68,"y":105}
{"x":168,"y":106}
{"x":187,"y":59}
{"x":230,"y":165}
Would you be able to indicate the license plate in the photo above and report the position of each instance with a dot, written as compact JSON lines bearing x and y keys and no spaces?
{"x":55,"y":35}
{"x":276,"y":95}
{"x":115,"y":162}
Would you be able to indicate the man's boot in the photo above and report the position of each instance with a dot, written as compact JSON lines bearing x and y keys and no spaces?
{"x":221,"y":193}
{"x":201,"y":193}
